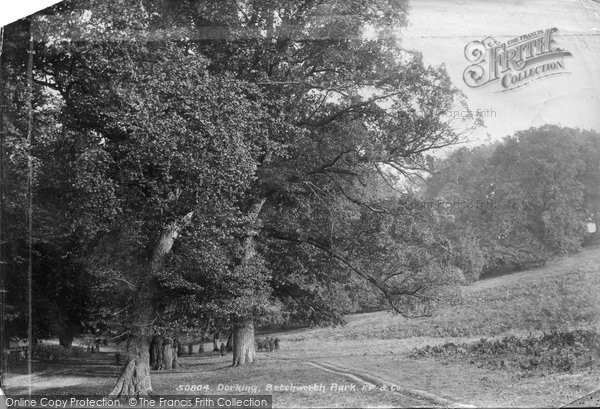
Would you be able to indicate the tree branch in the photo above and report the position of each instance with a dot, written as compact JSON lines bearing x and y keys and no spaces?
{"x":166,"y":241}
{"x":350,"y":108}
{"x":328,"y":250}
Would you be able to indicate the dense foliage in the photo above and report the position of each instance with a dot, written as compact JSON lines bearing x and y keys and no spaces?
{"x":524,"y":199}
{"x":201,"y":164}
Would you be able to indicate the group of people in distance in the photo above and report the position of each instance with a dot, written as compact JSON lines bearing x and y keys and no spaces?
{"x":93,"y":345}
{"x":268,"y":344}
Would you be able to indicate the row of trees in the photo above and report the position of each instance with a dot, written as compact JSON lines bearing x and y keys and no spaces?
{"x":521,"y":200}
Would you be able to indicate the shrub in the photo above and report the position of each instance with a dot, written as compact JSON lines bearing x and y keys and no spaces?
{"x":552,"y":352}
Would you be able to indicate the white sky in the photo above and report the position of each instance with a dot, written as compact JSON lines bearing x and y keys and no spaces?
{"x":442,"y":28}
{"x":12,"y":10}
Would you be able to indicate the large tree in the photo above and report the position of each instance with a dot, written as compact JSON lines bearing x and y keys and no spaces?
{"x":349,"y":106}
{"x":355,"y":111}
{"x":151,"y":146}
{"x":262,"y":126}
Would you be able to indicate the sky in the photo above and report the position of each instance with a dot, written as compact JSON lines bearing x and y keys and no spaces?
{"x":441,"y":29}
{"x":11,"y":10}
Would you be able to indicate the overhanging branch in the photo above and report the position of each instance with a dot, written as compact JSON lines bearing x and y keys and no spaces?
{"x":326,"y":248}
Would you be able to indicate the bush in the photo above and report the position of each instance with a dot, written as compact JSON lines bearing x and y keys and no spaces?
{"x":553,"y":352}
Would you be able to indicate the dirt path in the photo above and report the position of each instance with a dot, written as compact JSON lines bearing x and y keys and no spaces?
{"x":377,"y":383}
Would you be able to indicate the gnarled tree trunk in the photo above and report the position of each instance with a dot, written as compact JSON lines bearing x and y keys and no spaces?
{"x":167,"y":354}
{"x":216,"y":341}
{"x":156,"y":352}
{"x":175,"y":359}
{"x":135,"y":378}
{"x":68,"y":332}
{"x":65,"y":340}
{"x":244,"y":351}
{"x":229,"y":345}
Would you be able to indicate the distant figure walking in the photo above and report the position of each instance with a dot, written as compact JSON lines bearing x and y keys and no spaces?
{"x":223,"y":349}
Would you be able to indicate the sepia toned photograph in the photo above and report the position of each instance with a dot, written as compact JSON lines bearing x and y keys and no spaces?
{"x":300,"y":204}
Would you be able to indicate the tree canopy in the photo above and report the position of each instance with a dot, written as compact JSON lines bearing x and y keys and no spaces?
{"x":526,"y":198}
{"x":234,"y":162}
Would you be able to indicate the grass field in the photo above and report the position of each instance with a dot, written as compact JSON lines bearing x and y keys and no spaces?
{"x":375,"y":352}
{"x":562,"y":295}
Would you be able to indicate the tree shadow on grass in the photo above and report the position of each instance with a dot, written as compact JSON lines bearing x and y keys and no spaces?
{"x":100,"y":364}
{"x":94,"y":374}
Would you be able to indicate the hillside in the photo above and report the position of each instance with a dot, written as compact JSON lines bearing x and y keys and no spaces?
{"x":560,"y":295}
